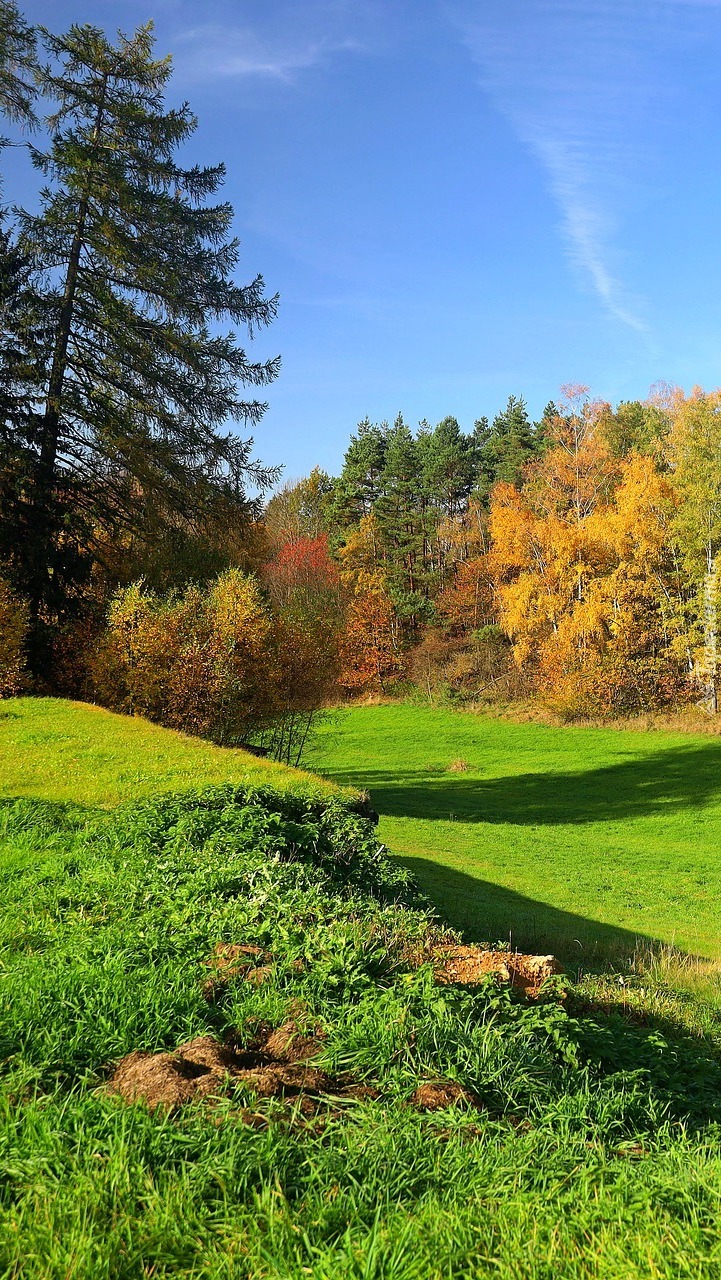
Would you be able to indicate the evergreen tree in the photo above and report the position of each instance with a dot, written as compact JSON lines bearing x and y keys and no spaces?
{"x":544,"y":426}
{"x":139,"y":387}
{"x":511,"y":443}
{"x":448,"y":466}
{"x":398,"y":511}
{"x":18,"y":65}
{"x":23,"y":355}
{"x":359,"y":484}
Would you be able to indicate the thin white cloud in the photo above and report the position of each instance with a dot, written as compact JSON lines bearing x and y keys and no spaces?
{"x":572,"y":78}
{"x":278,"y":40}
{"x":587,"y":229}
{"x":215,"y":51}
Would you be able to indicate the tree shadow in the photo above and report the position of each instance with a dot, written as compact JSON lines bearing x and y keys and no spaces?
{"x":489,"y":913}
{"x":667,"y":781}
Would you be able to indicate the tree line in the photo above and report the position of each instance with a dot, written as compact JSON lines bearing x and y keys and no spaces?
{"x":575,"y":558}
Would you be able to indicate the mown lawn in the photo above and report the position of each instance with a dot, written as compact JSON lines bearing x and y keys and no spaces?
{"x":574,"y":840}
{"x":52,"y":749}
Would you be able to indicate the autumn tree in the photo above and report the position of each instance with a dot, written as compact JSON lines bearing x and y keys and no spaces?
{"x":371,"y":649}
{"x":694,"y":454}
{"x":547,"y":550}
{"x":308,"y":615}
{"x":196,"y":660}
{"x":300,"y":509}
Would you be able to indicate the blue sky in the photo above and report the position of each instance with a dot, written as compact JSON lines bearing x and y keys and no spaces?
{"x":457,"y":199}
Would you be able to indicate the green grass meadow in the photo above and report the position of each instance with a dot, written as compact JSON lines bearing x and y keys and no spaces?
{"x":580,"y":841}
{"x":589,"y":1145}
{"x":52,"y":749}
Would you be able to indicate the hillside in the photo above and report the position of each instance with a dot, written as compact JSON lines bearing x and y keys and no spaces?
{"x":231,"y":1047}
{"x":52,"y":749}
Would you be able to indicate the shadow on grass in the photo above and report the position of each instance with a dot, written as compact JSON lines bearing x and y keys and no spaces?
{"x":487,"y":912}
{"x":660,"y":1052}
{"x":662,"y":782}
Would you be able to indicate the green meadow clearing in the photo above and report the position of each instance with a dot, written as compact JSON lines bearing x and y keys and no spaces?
{"x":580,"y":841}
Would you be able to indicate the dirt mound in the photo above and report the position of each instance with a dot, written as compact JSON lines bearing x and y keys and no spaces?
{"x":469,"y":965}
{"x":232,"y":960}
{"x":274,"y":1066}
{"x":433,"y":1095}
{"x":288,"y":1044}
{"x":196,"y":1069}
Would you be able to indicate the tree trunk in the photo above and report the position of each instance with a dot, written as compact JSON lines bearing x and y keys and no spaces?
{"x":46,"y":477}
{"x":709,"y":669}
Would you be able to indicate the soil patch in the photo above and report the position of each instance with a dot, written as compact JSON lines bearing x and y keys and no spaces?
{"x":274,"y":1066}
{"x":469,"y":965}
{"x":433,"y":1095}
{"x":231,"y":960}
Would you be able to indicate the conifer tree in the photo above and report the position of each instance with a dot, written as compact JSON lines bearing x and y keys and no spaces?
{"x":359,"y":484}
{"x":21,"y":333}
{"x":543,"y":429}
{"x":398,"y":513}
{"x":512,"y":442}
{"x":140,"y":383}
{"x":18,"y":48}
{"x":448,"y":466}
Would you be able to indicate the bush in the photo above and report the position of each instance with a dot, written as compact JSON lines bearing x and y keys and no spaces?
{"x":196,"y":661}
{"x":221,"y":661}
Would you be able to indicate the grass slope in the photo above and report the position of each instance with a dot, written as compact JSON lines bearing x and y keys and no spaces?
{"x":595,"y":1153}
{"x":573,"y":840}
{"x":52,"y":749}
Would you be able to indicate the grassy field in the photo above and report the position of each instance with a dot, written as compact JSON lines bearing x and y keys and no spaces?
{"x":586,"y":1144}
{"x":578,"y":841}
{"x":52,"y":749}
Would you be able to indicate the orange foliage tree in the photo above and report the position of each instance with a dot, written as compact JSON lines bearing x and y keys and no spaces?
{"x":371,"y":656}
{"x":308,"y":615}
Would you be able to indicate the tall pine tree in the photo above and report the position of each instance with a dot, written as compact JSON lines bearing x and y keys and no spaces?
{"x":359,"y":484}
{"x":141,"y":384}
{"x":18,"y":65}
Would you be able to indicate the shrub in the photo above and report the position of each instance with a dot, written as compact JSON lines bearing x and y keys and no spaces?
{"x":196,"y":661}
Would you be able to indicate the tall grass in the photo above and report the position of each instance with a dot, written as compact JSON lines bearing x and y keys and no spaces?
{"x":593,"y":1150}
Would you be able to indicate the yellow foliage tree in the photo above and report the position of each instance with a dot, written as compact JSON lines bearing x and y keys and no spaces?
{"x":694,"y":456}
{"x":198,"y":661}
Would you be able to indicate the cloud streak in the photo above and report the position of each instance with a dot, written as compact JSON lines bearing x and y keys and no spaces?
{"x":279,"y":40}
{"x":214,"y":51}
{"x":574,"y":79}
